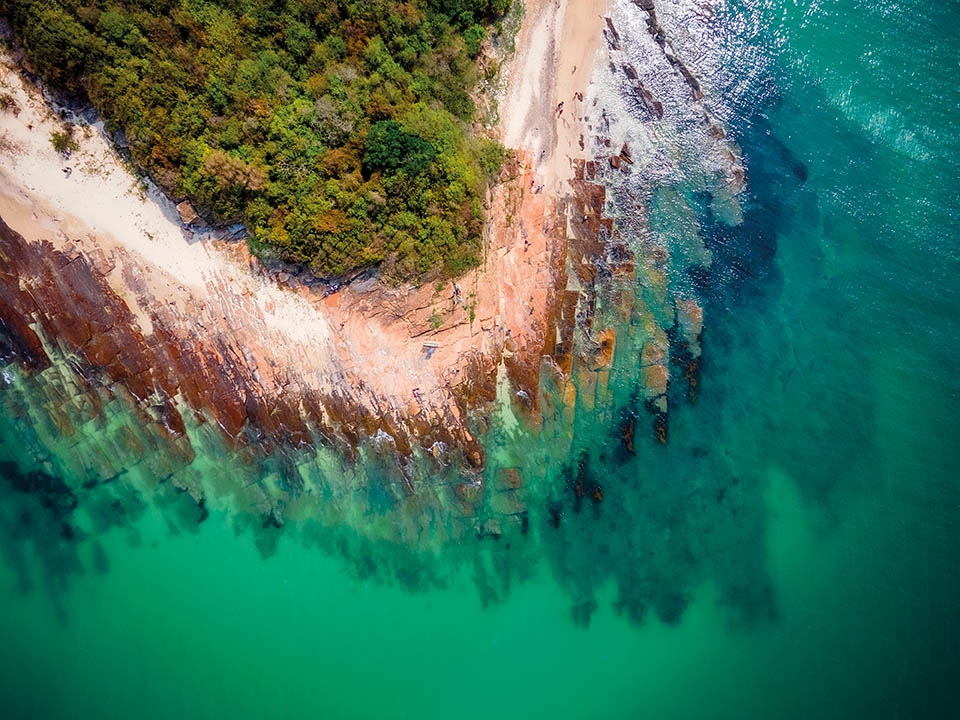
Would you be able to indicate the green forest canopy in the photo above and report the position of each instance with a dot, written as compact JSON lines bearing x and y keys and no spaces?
{"x":337,"y":130}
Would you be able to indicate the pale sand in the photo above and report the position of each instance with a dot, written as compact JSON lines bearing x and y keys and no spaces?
{"x":557,"y":52}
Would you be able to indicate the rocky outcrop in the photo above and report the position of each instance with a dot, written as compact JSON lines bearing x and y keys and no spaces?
{"x":567,"y":297}
{"x":188,"y":215}
{"x":663,"y":40}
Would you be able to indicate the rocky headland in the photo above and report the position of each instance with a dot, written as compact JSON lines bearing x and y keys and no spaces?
{"x":112,"y":296}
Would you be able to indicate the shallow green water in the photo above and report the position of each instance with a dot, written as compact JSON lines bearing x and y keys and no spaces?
{"x":791,"y":551}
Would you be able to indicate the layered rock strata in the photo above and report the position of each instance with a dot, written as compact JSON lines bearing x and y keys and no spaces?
{"x":573,"y":293}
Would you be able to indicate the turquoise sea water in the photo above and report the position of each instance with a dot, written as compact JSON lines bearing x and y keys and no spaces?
{"x":790,"y":552}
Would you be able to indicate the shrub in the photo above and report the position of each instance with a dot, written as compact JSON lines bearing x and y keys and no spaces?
{"x":63,"y":141}
{"x":8,"y":103}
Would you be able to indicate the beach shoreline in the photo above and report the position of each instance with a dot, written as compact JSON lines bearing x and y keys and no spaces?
{"x":557,"y":51}
{"x":407,"y":362}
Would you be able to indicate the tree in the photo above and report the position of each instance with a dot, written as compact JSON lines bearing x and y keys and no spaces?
{"x":389,"y":147}
{"x":231,"y":172}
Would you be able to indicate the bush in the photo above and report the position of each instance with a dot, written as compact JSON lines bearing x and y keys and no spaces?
{"x":9,"y":104}
{"x":62,"y":141}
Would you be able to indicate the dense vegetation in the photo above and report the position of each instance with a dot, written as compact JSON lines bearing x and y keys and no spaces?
{"x":338,"y":130}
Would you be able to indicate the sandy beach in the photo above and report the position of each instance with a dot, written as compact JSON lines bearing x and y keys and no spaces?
{"x":557,"y":49}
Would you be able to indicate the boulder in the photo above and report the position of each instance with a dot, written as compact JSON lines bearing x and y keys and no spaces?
{"x":188,"y":216}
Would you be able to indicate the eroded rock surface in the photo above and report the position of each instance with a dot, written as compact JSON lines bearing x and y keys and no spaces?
{"x":576,"y":290}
